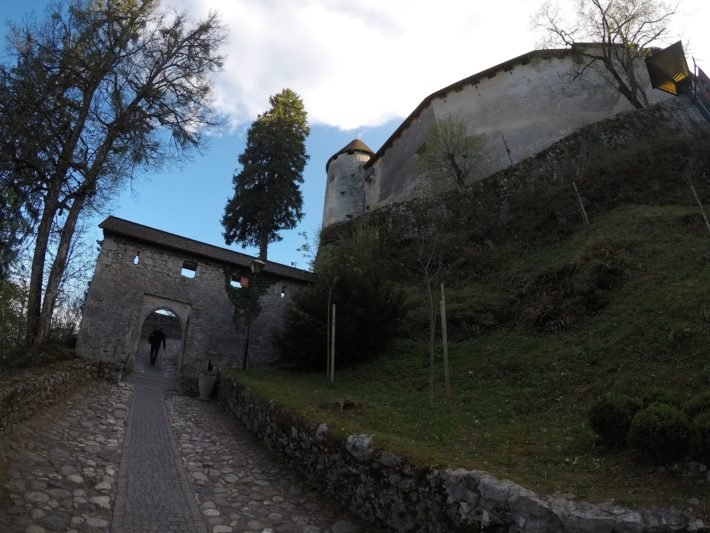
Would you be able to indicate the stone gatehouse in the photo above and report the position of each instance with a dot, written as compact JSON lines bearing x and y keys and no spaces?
{"x":141,"y":270}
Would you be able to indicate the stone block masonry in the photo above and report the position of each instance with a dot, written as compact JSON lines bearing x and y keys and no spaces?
{"x":26,"y":393}
{"x":517,"y":108}
{"x":141,"y":270}
{"x":395,"y":494}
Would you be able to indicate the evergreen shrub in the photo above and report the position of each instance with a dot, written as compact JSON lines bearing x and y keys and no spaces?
{"x":700,"y":439}
{"x":698,"y":404}
{"x":660,"y":395}
{"x":659,"y":434}
{"x":610,"y":418}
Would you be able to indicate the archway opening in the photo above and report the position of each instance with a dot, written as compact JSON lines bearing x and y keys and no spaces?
{"x":169,"y":353}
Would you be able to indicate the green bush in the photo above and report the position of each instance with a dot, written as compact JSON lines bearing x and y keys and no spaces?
{"x":610,"y":418}
{"x":660,"y":395}
{"x":12,"y":322}
{"x":659,"y":434}
{"x":700,"y":439}
{"x":698,"y":404}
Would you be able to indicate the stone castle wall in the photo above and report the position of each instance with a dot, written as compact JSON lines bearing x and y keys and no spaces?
{"x":124,"y":293}
{"x":528,"y":104}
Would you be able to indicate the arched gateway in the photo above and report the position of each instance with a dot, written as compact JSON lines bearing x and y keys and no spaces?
{"x":141,"y":270}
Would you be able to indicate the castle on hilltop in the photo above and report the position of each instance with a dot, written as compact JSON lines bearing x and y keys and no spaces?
{"x":519,"y":108}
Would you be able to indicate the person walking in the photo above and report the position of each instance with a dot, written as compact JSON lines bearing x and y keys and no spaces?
{"x":155,"y":339}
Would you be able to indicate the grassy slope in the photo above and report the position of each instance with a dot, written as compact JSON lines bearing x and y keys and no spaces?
{"x":619,"y":306}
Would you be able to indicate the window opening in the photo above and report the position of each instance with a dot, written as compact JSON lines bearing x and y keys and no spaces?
{"x":189,"y":270}
{"x":283,"y":291}
{"x":137,"y":258}
{"x":239,"y":281}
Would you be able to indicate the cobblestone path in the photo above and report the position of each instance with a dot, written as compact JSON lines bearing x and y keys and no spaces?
{"x":135,"y":458}
{"x":239,"y":485}
{"x":58,"y":469}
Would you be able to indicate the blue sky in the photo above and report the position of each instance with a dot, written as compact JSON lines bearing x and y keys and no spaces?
{"x":360,"y":66}
{"x":190,"y":200}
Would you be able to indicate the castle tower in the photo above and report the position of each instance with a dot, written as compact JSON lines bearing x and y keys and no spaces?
{"x":344,"y":191}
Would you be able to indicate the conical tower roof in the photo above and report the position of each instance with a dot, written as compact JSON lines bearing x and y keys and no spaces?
{"x":356,"y":145}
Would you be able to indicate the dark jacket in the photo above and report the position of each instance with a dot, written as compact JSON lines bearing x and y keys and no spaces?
{"x":156,"y":337}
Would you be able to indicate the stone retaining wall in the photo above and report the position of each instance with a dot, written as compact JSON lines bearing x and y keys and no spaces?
{"x":395,"y":494}
{"x":23,"y":394}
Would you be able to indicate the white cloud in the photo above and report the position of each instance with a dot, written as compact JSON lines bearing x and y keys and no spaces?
{"x":360,"y":62}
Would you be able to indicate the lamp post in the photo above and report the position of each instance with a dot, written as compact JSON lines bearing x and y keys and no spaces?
{"x":257,"y":265}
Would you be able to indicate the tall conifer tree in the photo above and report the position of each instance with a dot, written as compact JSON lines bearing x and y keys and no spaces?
{"x":267,"y":196}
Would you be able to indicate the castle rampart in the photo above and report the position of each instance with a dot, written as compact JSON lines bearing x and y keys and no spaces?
{"x":520,"y":107}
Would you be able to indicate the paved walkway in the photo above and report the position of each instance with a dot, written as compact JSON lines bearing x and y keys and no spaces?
{"x":135,"y":457}
{"x":153,"y":493}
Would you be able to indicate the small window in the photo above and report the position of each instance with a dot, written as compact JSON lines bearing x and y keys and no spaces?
{"x":189,"y":270}
{"x":283,"y":292}
{"x":239,"y":281}
{"x":137,"y":258}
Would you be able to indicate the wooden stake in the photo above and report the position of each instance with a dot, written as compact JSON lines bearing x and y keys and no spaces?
{"x":332,"y":348}
{"x":702,"y":209}
{"x":445,"y":342}
{"x":327,"y":335}
{"x":581,"y":204}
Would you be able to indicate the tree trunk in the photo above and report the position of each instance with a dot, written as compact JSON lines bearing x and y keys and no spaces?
{"x":34,"y":298}
{"x":51,"y":206}
{"x":263,"y":247}
{"x":58,"y":267}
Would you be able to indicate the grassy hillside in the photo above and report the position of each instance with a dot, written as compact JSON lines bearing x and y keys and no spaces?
{"x":536,"y":337}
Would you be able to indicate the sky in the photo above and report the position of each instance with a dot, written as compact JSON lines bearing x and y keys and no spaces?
{"x":360,"y":66}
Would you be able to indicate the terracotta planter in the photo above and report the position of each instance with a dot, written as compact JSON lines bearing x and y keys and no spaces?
{"x":206,"y":383}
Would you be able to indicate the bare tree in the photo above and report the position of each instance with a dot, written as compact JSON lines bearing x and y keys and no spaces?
{"x":610,"y":36}
{"x":450,"y":155}
{"x":98,"y":90}
{"x":431,"y":267}
{"x":430,"y":245}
